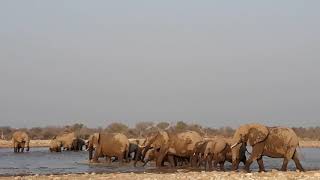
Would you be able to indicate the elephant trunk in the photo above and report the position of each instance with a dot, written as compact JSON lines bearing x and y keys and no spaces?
{"x":145,"y":162}
{"x":28,"y":145}
{"x":90,"y":153}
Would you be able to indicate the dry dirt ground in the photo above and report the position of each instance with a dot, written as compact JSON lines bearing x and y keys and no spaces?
{"x":273,"y":175}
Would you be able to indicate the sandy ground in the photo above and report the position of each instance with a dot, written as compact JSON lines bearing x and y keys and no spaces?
{"x":180,"y":175}
{"x":45,"y":143}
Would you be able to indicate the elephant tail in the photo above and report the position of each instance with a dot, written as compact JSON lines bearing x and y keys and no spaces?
{"x":126,"y":153}
{"x":299,"y":154}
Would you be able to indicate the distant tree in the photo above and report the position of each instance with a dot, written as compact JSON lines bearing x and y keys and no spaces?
{"x":77,"y":127}
{"x":197,"y":128}
{"x":117,"y":128}
{"x":142,"y":127}
{"x":163,"y":125}
{"x":181,"y":126}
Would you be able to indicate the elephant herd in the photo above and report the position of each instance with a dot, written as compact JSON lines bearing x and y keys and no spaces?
{"x":186,"y":148}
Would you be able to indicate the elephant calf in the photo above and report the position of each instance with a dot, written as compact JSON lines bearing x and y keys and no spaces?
{"x":20,"y":140}
{"x":216,"y":151}
{"x":173,"y":160}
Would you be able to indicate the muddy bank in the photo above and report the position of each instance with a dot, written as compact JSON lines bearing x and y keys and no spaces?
{"x":180,"y":175}
{"x":45,"y":143}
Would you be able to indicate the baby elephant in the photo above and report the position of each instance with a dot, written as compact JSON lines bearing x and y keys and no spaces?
{"x":218,"y":151}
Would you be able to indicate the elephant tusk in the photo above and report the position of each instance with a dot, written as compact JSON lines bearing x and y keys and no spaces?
{"x":234,"y":145}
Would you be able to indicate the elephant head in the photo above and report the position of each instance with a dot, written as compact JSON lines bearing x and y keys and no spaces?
{"x":93,"y":142}
{"x":252,"y":133}
{"x":55,"y":145}
{"x":160,"y":143}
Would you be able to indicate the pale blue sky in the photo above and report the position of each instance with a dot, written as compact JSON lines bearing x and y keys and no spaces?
{"x":216,"y":63}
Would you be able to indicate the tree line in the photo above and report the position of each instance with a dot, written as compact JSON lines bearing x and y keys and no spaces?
{"x":140,"y":130}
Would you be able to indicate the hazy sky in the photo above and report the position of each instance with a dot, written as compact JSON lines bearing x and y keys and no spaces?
{"x":216,"y":63}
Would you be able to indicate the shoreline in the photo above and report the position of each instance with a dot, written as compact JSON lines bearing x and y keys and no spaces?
{"x":181,"y":174}
{"x":46,"y":143}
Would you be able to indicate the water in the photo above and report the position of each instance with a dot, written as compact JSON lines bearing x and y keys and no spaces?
{"x":41,"y":161}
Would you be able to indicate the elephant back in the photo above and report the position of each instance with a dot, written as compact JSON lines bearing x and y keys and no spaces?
{"x":20,"y":136}
{"x":283,"y":137}
{"x":66,"y":139}
{"x":113,"y":144}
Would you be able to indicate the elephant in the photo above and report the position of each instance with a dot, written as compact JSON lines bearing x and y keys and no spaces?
{"x":275,"y":142}
{"x":216,"y":150}
{"x":137,"y":150}
{"x":219,"y":151}
{"x":20,"y":140}
{"x":172,"y":144}
{"x":67,"y":141}
{"x":109,"y":145}
{"x":77,"y":144}
{"x":198,"y":151}
{"x":151,"y":155}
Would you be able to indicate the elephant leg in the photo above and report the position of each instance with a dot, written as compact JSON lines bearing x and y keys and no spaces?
{"x":121,"y":158}
{"x":210,"y":159}
{"x":222,"y":166}
{"x":171,"y":161}
{"x":160,"y":158}
{"x":15,"y":147}
{"x":96,"y":155}
{"x":206,"y":162}
{"x":215,"y":164}
{"x":284,"y":164}
{"x":22,"y":147}
{"x":261,"y":166}
{"x":235,"y":165}
{"x":257,"y":151}
{"x":297,"y":162}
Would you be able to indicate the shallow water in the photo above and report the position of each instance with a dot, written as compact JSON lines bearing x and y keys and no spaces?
{"x":41,"y":161}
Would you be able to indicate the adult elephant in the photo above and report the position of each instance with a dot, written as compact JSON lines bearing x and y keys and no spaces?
{"x":20,"y":140}
{"x":275,"y":142}
{"x":109,"y":145}
{"x":172,"y":144}
{"x":65,"y":141}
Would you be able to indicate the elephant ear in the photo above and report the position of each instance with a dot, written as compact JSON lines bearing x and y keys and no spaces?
{"x":257,"y":134}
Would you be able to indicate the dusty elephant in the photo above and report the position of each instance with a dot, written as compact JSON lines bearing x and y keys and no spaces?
{"x":20,"y":140}
{"x":275,"y":142}
{"x":137,"y":150}
{"x":152,"y":154}
{"x":108,"y":145}
{"x":198,"y":151}
{"x":65,"y":141}
{"x":218,"y":151}
{"x":172,"y":144}
{"x":77,"y":144}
